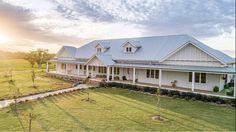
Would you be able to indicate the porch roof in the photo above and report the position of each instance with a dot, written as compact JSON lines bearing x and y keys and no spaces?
{"x":67,"y":61}
{"x":226,"y":70}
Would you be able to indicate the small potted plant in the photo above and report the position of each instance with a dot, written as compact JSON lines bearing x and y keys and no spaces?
{"x":173,"y":83}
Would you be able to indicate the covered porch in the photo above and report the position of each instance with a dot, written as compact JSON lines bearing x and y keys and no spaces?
{"x":188,"y":78}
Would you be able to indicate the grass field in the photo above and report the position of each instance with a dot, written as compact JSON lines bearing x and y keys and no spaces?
{"x":116,"y":109}
{"x":21,"y":73}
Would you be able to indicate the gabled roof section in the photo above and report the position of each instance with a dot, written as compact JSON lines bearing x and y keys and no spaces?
{"x":104,"y":45}
{"x":135,"y":44}
{"x":71,"y":51}
{"x":155,"y":48}
{"x":106,"y":60}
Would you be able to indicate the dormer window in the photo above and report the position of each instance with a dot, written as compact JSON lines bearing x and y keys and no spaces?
{"x":99,"y":50}
{"x":128,"y":49}
{"x":131,"y":46}
{"x":102,"y":47}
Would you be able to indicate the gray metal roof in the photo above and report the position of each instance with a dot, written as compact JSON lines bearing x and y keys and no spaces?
{"x":105,"y":59}
{"x":227,"y":70}
{"x":66,"y":61}
{"x":153,"y":48}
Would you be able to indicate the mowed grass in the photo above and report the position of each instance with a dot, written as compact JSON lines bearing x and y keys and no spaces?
{"x":21,"y":74}
{"x":114,"y":109}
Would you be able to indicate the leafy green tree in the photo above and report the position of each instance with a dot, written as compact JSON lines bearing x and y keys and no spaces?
{"x":39,"y":57}
{"x":31,"y":58}
{"x":42,"y":56}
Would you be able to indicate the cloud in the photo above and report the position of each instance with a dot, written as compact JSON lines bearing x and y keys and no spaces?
{"x":78,"y":21}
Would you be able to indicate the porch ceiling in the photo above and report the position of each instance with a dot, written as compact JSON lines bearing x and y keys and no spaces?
{"x":185,"y":68}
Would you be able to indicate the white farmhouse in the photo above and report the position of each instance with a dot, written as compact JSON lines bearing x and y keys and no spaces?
{"x":158,"y":61}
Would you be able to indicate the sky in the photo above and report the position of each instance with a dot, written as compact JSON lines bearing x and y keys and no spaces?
{"x":30,"y":24}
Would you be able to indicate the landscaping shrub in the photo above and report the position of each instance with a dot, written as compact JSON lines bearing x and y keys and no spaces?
{"x":229,"y":91}
{"x":163,"y":92}
{"x":216,"y":89}
{"x":178,"y":94}
{"x":226,"y":86}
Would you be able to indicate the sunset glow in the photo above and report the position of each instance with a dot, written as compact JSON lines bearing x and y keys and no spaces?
{"x":3,"y":38}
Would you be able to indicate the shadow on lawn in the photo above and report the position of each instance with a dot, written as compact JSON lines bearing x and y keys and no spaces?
{"x":118,"y":99}
{"x":52,"y":100}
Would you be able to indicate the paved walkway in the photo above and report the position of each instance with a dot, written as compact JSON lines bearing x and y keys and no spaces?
{"x":5,"y":103}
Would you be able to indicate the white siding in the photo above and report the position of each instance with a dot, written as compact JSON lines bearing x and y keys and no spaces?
{"x":182,"y":80}
{"x":71,"y":69}
{"x":141,"y":75}
{"x":59,"y":70}
{"x":191,"y":55}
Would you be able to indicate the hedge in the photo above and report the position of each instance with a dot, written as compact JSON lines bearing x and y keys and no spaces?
{"x":175,"y":93}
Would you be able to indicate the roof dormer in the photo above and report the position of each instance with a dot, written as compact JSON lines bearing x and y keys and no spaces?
{"x":131,"y":46}
{"x":102,"y":47}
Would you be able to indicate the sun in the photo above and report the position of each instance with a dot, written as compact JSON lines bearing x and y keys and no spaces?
{"x":3,"y":38}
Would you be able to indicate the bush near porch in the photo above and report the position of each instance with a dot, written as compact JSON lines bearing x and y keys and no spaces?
{"x":176,"y":94}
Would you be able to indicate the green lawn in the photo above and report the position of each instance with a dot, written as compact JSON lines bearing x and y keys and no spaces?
{"x":116,"y":109}
{"x":21,"y":73}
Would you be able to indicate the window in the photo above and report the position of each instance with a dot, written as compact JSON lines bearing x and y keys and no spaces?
{"x":76,"y":66}
{"x":203,"y":77}
{"x":84,"y":67}
{"x":156,"y":74}
{"x":148,"y":73}
{"x":199,"y":77}
{"x":116,"y":71}
{"x":128,"y":49}
{"x":102,"y":69}
{"x":80,"y":67}
{"x":93,"y":68}
{"x":152,"y":74}
{"x":90,"y":68}
{"x":99,"y":50}
{"x":190,"y":76}
{"x":63,"y":66}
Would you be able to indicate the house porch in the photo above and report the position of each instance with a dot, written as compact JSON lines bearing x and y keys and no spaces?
{"x":158,"y":77}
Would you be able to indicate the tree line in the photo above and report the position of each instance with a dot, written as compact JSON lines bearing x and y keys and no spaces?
{"x":39,"y":56}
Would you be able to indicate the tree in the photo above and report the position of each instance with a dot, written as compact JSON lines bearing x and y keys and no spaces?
{"x":12,"y":87}
{"x":158,"y":104}
{"x":33,"y":77}
{"x":31,"y":117}
{"x":31,"y":58}
{"x":39,"y":57}
{"x":42,"y":56}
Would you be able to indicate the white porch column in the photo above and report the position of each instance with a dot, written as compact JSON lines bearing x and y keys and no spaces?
{"x":133,"y":75}
{"x":234,"y":85}
{"x":66,"y":69}
{"x":78,"y":69}
{"x":112,"y":76}
{"x":87,"y":71}
{"x":56,"y":67}
{"x":160,"y":77}
{"x":47,"y":67}
{"x":193,"y":80}
{"x":108,"y":73}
